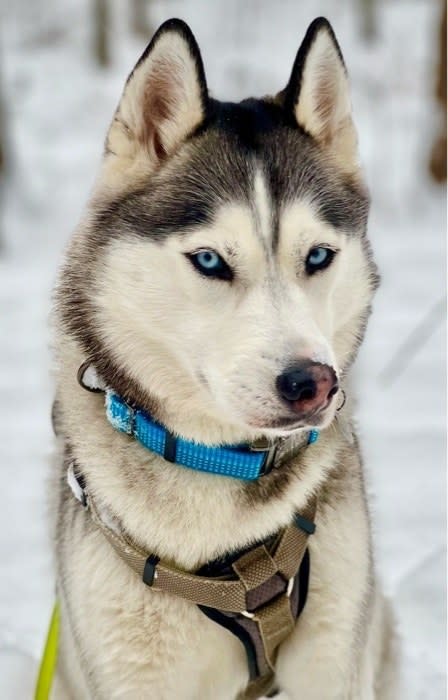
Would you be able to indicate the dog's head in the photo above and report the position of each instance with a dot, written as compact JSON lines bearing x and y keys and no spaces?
{"x":223,"y":277}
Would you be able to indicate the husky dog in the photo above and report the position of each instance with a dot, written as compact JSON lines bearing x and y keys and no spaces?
{"x":220,"y":281}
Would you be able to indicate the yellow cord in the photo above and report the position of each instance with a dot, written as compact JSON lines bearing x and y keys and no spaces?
{"x":48,"y":663}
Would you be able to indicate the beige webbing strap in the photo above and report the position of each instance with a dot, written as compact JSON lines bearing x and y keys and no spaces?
{"x":275,"y":623}
{"x":214,"y":593}
{"x":222,"y":595}
{"x":257,"y":571}
{"x":259,"y":687}
{"x":255,"y":567}
{"x":293,"y":542}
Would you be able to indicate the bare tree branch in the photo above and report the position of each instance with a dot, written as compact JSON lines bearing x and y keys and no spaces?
{"x":413,"y":343}
{"x":368,"y":19}
{"x":100,"y":26}
{"x":140,"y":21}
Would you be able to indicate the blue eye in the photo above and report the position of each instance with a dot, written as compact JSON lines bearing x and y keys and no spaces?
{"x":208,"y":259}
{"x":318,"y":259}
{"x":210,"y":264}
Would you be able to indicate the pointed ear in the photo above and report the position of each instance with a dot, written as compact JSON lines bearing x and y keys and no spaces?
{"x":318,"y":93}
{"x":163,"y":102}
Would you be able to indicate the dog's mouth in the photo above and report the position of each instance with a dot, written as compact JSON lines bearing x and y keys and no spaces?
{"x":289,"y":423}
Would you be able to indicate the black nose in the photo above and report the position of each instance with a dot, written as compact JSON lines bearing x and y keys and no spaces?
{"x":308,"y":386}
{"x":296,"y":385}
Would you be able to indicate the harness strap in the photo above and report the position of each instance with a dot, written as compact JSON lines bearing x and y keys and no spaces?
{"x":294,"y":541}
{"x":259,"y":687}
{"x":224,"y":595}
{"x":228,"y":595}
{"x":259,"y":598}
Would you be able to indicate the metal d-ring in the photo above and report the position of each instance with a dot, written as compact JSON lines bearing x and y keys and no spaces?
{"x":344,"y":399}
{"x":82,"y":381}
{"x":248,"y":614}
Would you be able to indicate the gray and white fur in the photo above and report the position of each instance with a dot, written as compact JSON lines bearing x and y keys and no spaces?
{"x":261,"y":183}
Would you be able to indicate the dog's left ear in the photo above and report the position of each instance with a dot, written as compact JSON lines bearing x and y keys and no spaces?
{"x":163,"y":102}
{"x":318,"y":94}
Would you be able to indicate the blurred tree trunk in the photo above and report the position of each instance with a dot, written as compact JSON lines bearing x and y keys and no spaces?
{"x":2,"y":140}
{"x":368,"y":19}
{"x":2,"y":132}
{"x":101,"y":12}
{"x":3,"y":157}
{"x":437,"y":159}
{"x":140,"y":22}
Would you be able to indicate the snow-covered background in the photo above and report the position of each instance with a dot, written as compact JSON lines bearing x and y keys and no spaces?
{"x":58,"y":106}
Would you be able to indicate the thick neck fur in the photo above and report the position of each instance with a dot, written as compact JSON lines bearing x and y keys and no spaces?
{"x":183,"y":516}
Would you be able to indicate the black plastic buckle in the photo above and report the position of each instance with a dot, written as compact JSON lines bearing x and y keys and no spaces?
{"x":149,"y":572}
{"x":170,"y":447}
{"x":303,"y":524}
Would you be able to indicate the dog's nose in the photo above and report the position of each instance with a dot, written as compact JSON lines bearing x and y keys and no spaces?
{"x":307,"y":387}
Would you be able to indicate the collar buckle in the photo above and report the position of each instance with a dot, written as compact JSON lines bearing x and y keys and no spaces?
{"x":270,"y":449}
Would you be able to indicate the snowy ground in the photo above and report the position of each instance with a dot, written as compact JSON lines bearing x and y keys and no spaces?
{"x":58,"y":109}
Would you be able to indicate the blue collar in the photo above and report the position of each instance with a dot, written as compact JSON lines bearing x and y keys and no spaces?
{"x":237,"y":461}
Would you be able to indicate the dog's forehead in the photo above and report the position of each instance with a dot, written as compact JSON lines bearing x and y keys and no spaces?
{"x":246,"y":153}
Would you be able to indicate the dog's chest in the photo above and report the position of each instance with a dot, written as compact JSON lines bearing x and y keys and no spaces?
{"x":134,"y":638}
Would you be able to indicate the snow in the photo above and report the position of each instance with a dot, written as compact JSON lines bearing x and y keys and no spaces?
{"x":58,"y":108}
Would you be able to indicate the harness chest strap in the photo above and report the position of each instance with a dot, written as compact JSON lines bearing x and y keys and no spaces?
{"x":257,"y":602}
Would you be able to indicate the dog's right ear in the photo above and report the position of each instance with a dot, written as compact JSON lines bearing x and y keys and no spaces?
{"x":163,"y":102}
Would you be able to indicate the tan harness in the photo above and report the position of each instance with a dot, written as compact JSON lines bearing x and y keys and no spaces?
{"x":258,"y":597}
